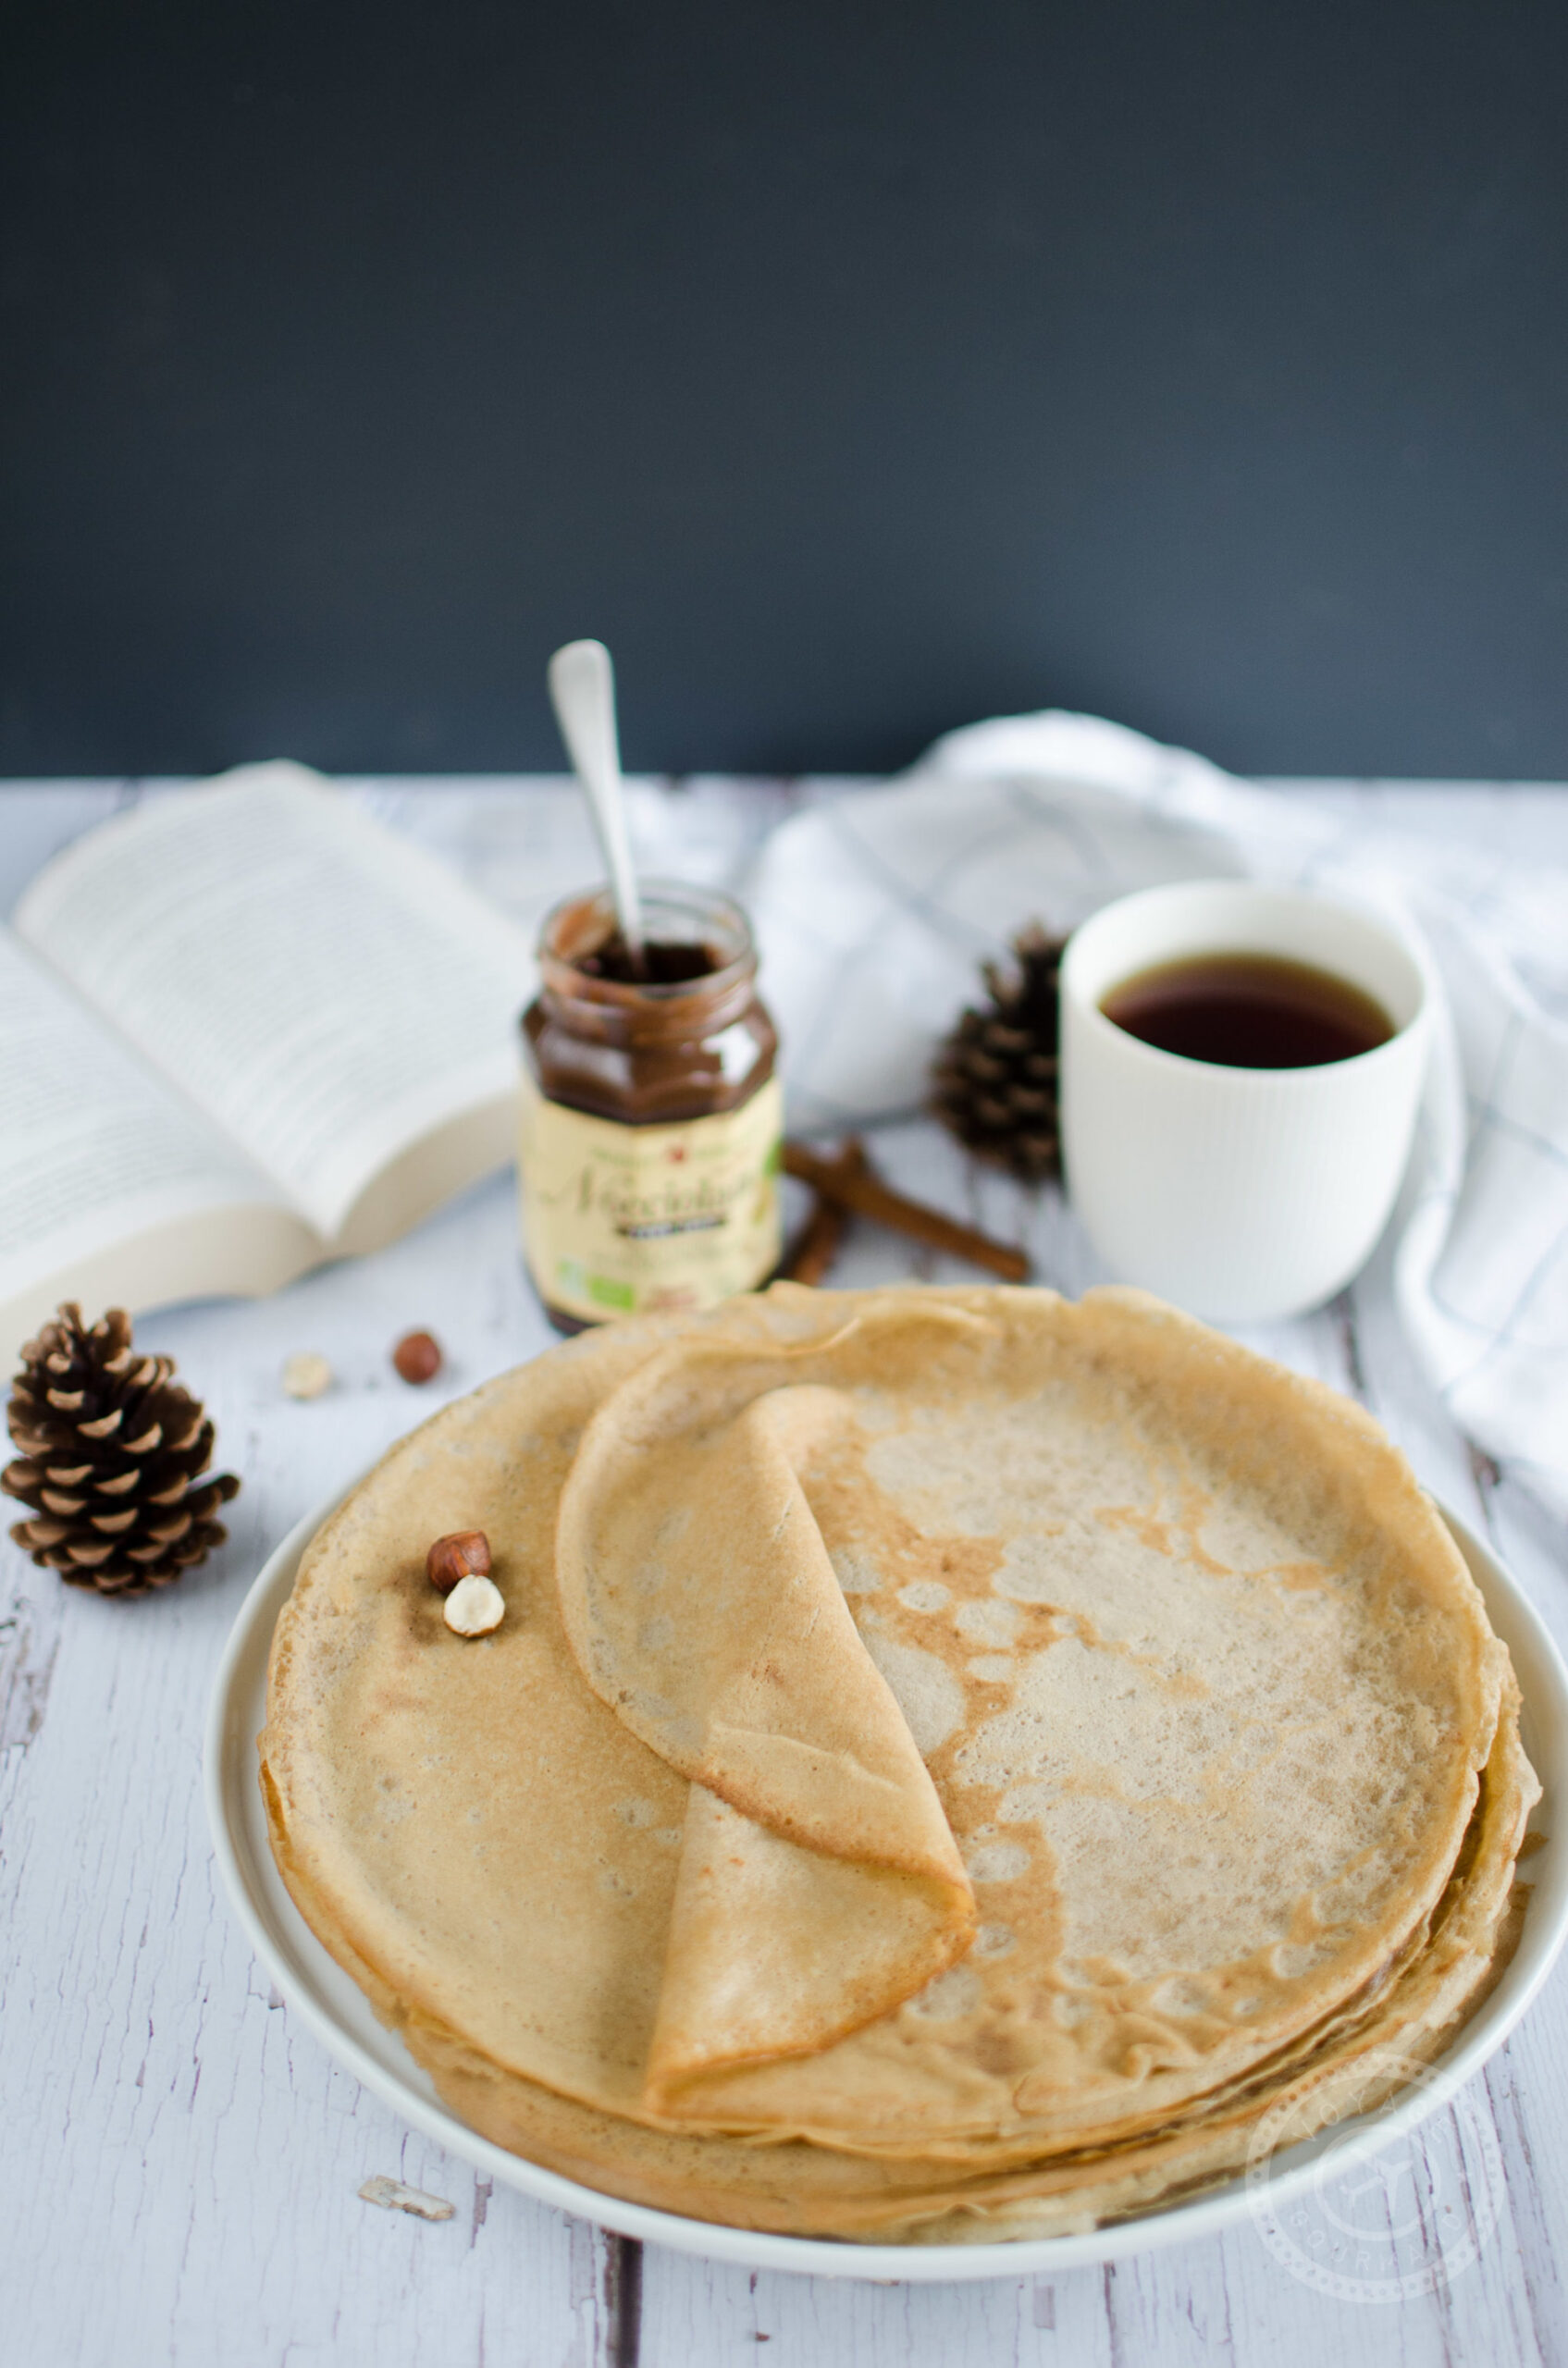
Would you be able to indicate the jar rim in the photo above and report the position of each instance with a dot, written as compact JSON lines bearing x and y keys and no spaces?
{"x":698,"y":904}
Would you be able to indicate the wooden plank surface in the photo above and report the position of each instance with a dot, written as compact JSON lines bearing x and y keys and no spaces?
{"x":180,"y":2181}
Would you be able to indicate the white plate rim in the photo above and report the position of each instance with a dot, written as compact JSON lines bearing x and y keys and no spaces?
{"x":292,"y":1955}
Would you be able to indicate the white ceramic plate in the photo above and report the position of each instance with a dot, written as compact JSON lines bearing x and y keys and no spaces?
{"x":323,"y":1997}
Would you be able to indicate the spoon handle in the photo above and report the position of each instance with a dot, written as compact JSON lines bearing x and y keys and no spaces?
{"x":582,"y":688}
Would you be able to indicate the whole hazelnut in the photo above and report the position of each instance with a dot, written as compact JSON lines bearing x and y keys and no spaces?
{"x":461,"y":1553}
{"x":475,"y":1607}
{"x":417,"y":1357}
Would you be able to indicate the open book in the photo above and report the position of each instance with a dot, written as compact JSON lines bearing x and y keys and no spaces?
{"x":243,"y":1029}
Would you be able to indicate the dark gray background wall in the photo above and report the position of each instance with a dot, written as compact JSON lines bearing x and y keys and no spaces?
{"x":853,"y":367}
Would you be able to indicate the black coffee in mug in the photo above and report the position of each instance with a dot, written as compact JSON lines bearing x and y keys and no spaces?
{"x":1248,"y":1011}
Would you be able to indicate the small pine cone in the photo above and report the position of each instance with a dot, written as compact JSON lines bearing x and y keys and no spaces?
{"x":112,"y":1453}
{"x":994,"y":1083}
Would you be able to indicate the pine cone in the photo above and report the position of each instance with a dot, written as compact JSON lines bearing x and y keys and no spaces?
{"x":994,"y":1084}
{"x":112,"y":1449}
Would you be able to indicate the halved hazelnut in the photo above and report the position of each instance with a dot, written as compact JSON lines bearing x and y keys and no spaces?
{"x":461,"y":1553}
{"x":306,"y":1375}
{"x":475,"y":1607}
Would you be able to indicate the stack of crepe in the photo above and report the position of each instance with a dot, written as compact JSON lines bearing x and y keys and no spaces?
{"x":953,"y":1761}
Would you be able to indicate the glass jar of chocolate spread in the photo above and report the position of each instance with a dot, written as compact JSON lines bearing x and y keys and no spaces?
{"x":651,"y":1116}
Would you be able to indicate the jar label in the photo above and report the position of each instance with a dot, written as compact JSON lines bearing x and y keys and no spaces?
{"x":621,"y":1220}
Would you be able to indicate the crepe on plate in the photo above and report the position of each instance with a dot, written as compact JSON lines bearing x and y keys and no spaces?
{"x":951,"y":1759}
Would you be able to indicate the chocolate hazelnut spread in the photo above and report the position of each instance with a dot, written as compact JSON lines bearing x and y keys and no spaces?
{"x":656,"y":966}
{"x":651,"y":1113}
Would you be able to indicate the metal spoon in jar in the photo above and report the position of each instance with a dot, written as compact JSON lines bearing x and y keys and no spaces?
{"x":582,"y":688}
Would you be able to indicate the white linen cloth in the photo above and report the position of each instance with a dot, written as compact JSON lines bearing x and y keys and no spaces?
{"x":872,"y":908}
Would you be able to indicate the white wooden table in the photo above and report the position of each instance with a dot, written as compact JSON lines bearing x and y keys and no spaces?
{"x":179,"y":2175}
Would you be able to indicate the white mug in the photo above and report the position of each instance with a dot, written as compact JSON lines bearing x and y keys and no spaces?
{"x":1242,"y":1194}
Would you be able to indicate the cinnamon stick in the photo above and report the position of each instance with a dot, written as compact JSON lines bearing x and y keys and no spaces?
{"x":815,"y":1247}
{"x":868,"y":1196}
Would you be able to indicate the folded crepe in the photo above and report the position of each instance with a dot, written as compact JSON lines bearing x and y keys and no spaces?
{"x":951,"y":1758}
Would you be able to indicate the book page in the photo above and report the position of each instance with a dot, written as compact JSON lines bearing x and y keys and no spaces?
{"x":325,"y":992}
{"x":95,"y":1154}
